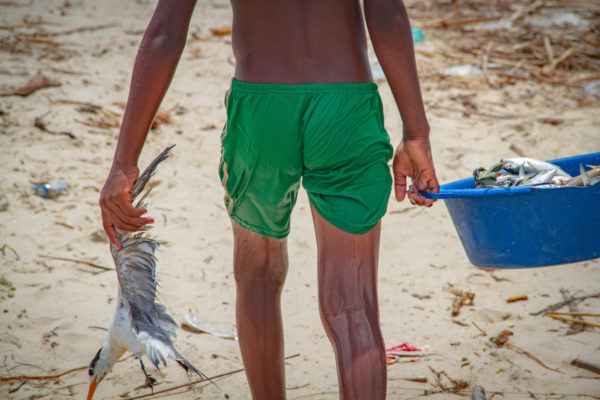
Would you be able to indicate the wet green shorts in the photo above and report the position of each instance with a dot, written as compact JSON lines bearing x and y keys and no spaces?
{"x":330,"y":135}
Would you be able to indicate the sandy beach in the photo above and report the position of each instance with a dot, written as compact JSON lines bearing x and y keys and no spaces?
{"x":56,"y":301}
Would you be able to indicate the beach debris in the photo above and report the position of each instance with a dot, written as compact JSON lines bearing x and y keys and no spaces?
{"x":195,"y":323}
{"x":578,"y":321}
{"x":394,"y":354}
{"x":162,"y":117}
{"x":3,"y":251}
{"x":50,"y":190}
{"x":518,"y":297}
{"x":484,"y":333}
{"x":4,"y":203}
{"x":501,"y":340}
{"x":222,"y":31}
{"x":478,"y":393}
{"x":462,"y":298}
{"x":41,"y":125}
{"x":593,"y":88}
{"x":451,"y":386}
{"x":574,"y":328}
{"x":595,"y":368}
{"x":38,"y":82}
{"x":73,"y":260}
{"x":560,"y":304}
{"x":376,"y":70}
{"x":461,"y":70}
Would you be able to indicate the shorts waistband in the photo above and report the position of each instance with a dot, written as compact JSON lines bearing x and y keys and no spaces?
{"x":303,"y":88}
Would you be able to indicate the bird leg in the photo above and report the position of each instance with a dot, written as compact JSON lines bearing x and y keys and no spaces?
{"x":150,"y":381}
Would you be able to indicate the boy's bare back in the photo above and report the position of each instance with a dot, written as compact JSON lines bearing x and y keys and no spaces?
{"x":299,"y":41}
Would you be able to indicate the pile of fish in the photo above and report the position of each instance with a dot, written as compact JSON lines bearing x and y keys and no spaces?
{"x":521,"y":171}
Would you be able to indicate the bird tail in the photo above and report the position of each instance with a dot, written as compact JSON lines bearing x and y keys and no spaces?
{"x":187,"y":366}
{"x":143,"y":179}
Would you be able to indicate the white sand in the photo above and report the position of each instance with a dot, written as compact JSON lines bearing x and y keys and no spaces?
{"x":50,"y":309}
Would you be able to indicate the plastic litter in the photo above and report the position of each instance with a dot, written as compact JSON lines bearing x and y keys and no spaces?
{"x":417,"y":35}
{"x":394,"y":354}
{"x":461,"y":70}
{"x":593,"y":88}
{"x":50,"y":190}
{"x":194,"y":322}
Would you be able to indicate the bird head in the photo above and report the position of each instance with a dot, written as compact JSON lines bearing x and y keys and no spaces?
{"x":99,"y":367}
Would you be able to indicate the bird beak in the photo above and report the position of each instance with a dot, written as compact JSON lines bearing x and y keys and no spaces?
{"x":92,"y":389}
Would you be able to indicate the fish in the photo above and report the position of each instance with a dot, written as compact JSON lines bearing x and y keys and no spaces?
{"x":586,"y":178}
{"x":530,"y":165}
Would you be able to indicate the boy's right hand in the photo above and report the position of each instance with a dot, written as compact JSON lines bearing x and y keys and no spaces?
{"x":115,"y":203}
{"x":413,"y":159}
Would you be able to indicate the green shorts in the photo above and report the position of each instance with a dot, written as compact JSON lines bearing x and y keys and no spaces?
{"x":330,"y":135}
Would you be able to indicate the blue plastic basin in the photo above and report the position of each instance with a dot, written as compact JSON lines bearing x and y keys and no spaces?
{"x":525,"y":226}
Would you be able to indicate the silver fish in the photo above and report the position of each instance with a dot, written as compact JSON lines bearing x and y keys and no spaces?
{"x":530,"y":165}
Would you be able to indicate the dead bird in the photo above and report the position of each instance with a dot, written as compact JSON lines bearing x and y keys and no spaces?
{"x":141,"y":324}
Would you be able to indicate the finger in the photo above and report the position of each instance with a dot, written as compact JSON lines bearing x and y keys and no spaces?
{"x":111,"y":232}
{"x":400,"y":187}
{"x":416,"y":197}
{"x":125,"y":222}
{"x":132,"y":214}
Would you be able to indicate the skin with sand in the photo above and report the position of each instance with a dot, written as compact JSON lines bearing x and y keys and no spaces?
{"x":292,"y":42}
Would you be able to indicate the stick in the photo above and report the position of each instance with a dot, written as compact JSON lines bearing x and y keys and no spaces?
{"x":39,"y":377}
{"x":560,"y":304}
{"x":212,"y":378}
{"x":586,"y":365}
{"x":528,"y":354}
{"x":580,"y":314}
{"x":91,"y":264}
{"x":480,"y":330}
{"x":573,"y":320}
{"x":83,"y":29}
{"x":575,"y":327}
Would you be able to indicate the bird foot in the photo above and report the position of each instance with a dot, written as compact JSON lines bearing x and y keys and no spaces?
{"x":150,"y":381}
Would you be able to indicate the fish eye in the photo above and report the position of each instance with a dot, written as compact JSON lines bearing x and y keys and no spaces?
{"x":90,"y":372}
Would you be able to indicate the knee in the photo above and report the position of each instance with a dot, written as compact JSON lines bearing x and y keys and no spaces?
{"x":260,"y":261}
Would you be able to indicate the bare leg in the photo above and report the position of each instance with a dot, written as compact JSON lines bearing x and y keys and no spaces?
{"x":347,"y":271}
{"x":260,"y":266}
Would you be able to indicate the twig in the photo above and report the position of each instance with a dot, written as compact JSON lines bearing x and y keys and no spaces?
{"x":41,"y":125}
{"x":5,"y":246}
{"x":586,"y":365}
{"x":575,"y":327}
{"x":480,"y":330}
{"x":573,"y":320}
{"x":39,"y":377}
{"x":528,"y":354}
{"x":580,"y":314}
{"x":91,"y":264}
{"x":561,"y":304}
{"x":83,"y":29}
{"x":212,"y":378}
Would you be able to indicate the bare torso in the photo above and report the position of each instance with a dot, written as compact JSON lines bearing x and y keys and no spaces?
{"x":299,"y":41}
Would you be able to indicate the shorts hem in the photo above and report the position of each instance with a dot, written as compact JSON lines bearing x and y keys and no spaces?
{"x":355,"y":230}
{"x":260,"y":231}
